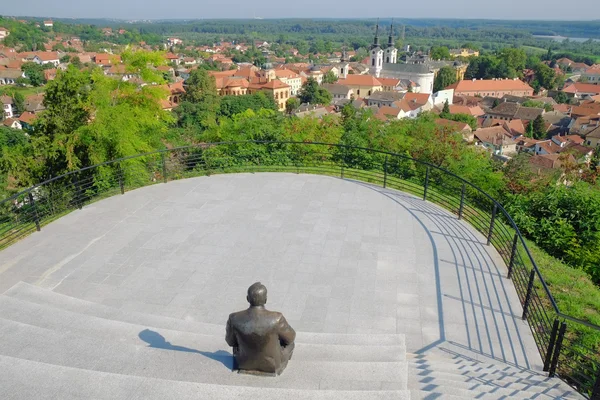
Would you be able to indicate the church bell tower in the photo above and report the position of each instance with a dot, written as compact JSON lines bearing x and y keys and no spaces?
{"x":376,"y":55}
{"x":391,"y":53}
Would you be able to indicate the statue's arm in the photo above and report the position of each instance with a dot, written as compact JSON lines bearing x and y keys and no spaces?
{"x":230,"y":335}
{"x":287,"y":334}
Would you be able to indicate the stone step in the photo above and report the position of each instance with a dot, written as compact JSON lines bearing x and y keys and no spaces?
{"x":523,"y":378}
{"x":491,"y":385}
{"x":421,"y":395}
{"x":59,"y":320}
{"x":459,"y":364}
{"x":24,"y":379}
{"x":37,"y":295}
{"x":464,"y":369}
{"x":188,"y":364}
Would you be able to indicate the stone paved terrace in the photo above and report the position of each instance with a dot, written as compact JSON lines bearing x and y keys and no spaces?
{"x":337,"y":256}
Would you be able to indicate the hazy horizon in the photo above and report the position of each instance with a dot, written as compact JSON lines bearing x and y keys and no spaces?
{"x":270,"y":9}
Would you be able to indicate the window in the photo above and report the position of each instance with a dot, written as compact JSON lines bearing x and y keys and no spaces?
{"x":373,"y":62}
{"x":388,"y":60}
{"x":357,"y":92}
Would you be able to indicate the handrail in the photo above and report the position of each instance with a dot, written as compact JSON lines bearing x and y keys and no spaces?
{"x":388,"y":153}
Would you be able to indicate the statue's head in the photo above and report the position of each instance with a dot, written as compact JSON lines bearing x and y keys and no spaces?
{"x":257,"y":295}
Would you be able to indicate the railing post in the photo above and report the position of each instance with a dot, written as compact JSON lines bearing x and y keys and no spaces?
{"x":164,"y":166}
{"x":492,"y":222}
{"x":385,"y":171}
{"x":596,"y":390}
{"x":557,"y":349}
{"x":121,"y":180}
{"x":462,"y":201}
{"x":551,"y":343}
{"x":513,"y":254}
{"x":78,"y":199}
{"x":426,"y":184}
{"x":206,"y":163}
{"x":528,"y":296}
{"x":36,"y":216}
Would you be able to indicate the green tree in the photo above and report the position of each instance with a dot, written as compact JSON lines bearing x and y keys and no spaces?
{"x":201,"y":88}
{"x":536,"y":129}
{"x":291,"y":104}
{"x":65,"y":59}
{"x":446,"y":108}
{"x":312,"y":93}
{"x":231,"y":105}
{"x":19,"y":102}
{"x":440,"y":53}
{"x":445,"y":77}
{"x":545,"y":76}
{"x":561,"y":98}
{"x":330,"y":77}
{"x":34,"y":72}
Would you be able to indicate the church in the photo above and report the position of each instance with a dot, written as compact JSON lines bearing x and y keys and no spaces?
{"x":384,"y":64}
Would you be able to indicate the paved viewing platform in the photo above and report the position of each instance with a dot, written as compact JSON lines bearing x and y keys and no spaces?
{"x":392,"y":297}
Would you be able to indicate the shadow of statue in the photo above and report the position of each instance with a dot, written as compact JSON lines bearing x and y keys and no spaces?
{"x":157,"y":341}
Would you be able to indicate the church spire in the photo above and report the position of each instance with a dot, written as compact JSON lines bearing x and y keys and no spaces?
{"x":391,"y":37}
{"x":376,"y":41}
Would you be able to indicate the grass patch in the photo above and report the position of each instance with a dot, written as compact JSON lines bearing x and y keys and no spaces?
{"x":573,"y":290}
{"x":25,"y":91}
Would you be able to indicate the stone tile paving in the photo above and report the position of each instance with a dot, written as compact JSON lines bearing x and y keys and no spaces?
{"x":336,"y":256}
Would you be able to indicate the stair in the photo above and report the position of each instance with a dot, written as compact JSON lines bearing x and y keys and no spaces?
{"x":458,"y":376}
{"x":56,"y":346}
{"x":78,"y":342}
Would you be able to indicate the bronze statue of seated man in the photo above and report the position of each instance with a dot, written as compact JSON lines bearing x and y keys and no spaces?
{"x":262,"y":340}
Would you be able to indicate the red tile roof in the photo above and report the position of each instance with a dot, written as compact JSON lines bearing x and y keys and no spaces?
{"x":360,"y":80}
{"x":582,"y":88}
{"x":489,"y":85}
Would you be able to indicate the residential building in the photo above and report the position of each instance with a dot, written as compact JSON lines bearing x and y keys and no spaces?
{"x":232,"y":86}
{"x":107,"y":59}
{"x":464,"y":53}
{"x":338,"y":91}
{"x":582,"y":90}
{"x":12,"y":123}
{"x":443,"y":96}
{"x":9,"y":76}
{"x":546,"y":147}
{"x":35,"y":103}
{"x":497,"y":140}
{"x":386,"y":113}
{"x":7,"y":106}
{"x":174,"y":41}
{"x":509,"y":111}
{"x":474,"y":110}
{"x":593,"y":137}
{"x":547,"y":163}
{"x":381,"y":99}
{"x":26,"y":119}
{"x":46,"y":57}
{"x":4,"y":33}
{"x":362,"y":85}
{"x":280,"y":91}
{"x":592,"y":74}
{"x":491,"y":87}
{"x":48,"y":24}
{"x":391,"y":84}
{"x":459,"y":127}
{"x":290,"y":78}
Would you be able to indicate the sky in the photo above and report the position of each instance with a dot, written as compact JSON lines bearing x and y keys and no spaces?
{"x":196,"y":9}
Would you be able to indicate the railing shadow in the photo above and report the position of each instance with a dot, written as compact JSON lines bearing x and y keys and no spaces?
{"x":158,"y":341}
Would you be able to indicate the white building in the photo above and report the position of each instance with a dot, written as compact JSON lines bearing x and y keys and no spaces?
{"x":3,"y":33}
{"x":443,"y":96}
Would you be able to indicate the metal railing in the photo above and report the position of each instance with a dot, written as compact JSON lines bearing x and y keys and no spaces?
{"x":563,"y":341}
